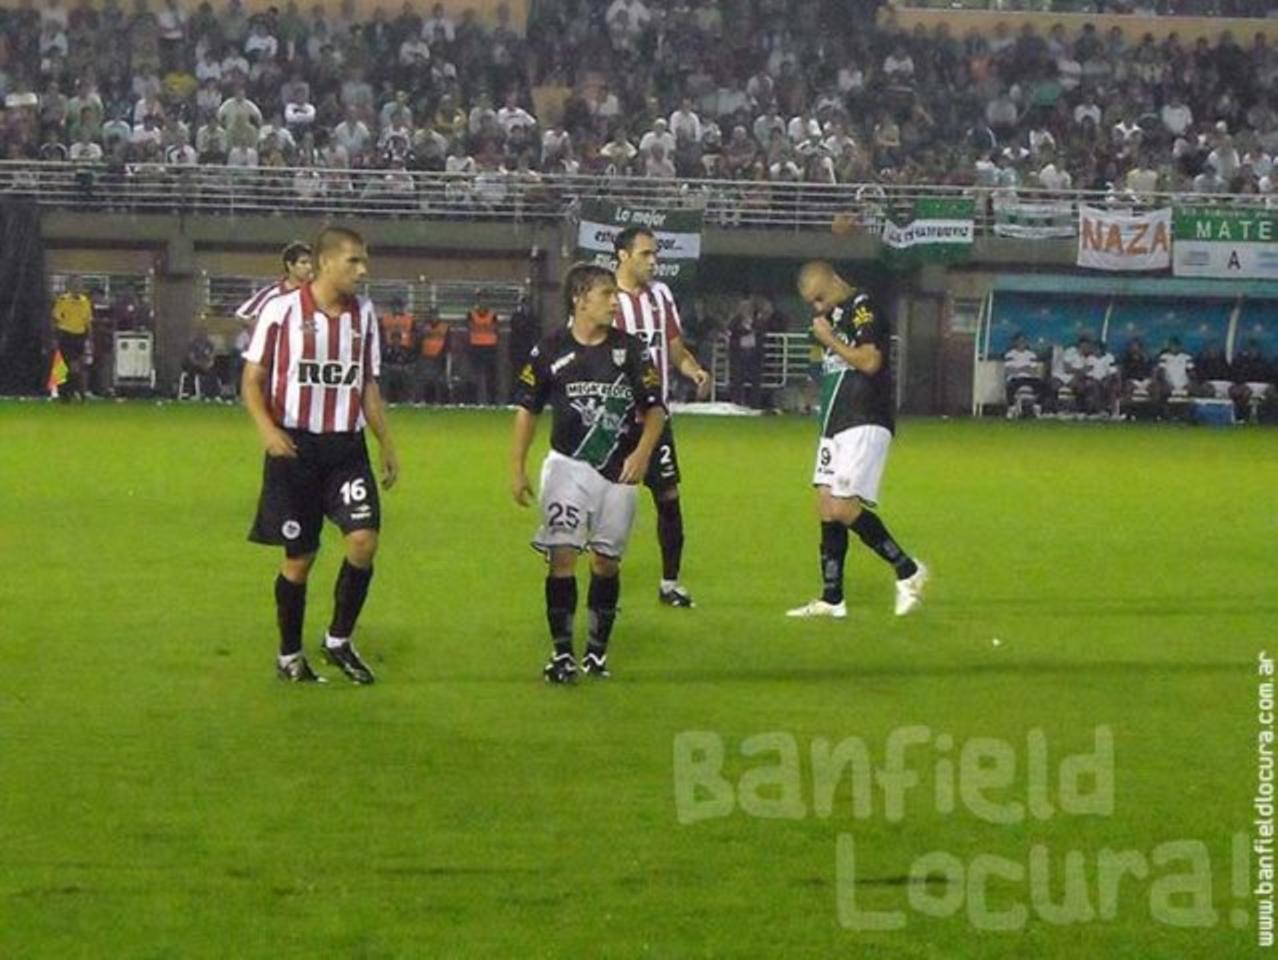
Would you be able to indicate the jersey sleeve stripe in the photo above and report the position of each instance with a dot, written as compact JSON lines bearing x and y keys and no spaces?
{"x":279,"y":395}
{"x":335,"y":349}
{"x":305,"y":393}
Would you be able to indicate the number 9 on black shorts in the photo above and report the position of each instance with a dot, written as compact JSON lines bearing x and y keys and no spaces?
{"x":331,"y":476}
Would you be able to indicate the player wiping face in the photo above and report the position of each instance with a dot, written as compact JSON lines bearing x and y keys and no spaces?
{"x":822,"y":289}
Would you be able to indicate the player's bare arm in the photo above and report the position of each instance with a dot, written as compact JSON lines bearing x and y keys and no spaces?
{"x":525,"y":429}
{"x":867,"y":358}
{"x":687,"y":364}
{"x":375,"y":414}
{"x":276,"y":442}
{"x":636,"y":465}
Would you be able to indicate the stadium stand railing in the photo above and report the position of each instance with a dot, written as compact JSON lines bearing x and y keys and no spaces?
{"x":510,"y":197}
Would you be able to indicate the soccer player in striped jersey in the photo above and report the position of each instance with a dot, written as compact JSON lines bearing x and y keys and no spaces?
{"x":310,"y":386}
{"x":647,"y":310}
{"x":298,"y":270}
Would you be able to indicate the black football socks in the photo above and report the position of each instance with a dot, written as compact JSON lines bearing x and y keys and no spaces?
{"x":874,"y":535}
{"x":602,"y":611}
{"x":349,"y":594}
{"x":834,"y":550}
{"x":561,"y":606}
{"x":670,"y":536}
{"x":290,"y":611}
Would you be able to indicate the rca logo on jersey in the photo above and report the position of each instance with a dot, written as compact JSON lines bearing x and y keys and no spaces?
{"x":331,"y":374}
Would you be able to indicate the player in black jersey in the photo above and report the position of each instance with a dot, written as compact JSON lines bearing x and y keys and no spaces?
{"x":858,"y":420}
{"x":605,"y":397}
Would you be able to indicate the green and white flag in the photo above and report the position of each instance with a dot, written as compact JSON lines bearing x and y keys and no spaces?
{"x":1034,"y":220}
{"x":942,"y":231}
{"x":1215,"y":242}
{"x":678,"y":235}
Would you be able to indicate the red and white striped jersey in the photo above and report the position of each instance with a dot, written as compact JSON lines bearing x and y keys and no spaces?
{"x":250,"y":308}
{"x":651,"y":315}
{"x":316,"y":365}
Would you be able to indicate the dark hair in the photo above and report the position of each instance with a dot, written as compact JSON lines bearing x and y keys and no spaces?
{"x":294,"y":252}
{"x":581,"y":276}
{"x":626,"y":239}
{"x":332,"y":237}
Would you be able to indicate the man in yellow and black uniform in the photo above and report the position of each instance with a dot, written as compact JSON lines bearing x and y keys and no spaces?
{"x":72,"y":320}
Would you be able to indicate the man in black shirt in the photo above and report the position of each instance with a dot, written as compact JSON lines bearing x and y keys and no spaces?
{"x":858,"y":419}
{"x":605,"y":397}
{"x":1254,"y":378}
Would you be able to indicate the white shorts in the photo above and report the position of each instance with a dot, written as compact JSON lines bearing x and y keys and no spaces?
{"x":851,"y":462}
{"x":583,"y":510}
{"x":1220,"y":388}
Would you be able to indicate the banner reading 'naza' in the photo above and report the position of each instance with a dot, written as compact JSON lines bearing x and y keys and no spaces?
{"x":1226,"y":243}
{"x":1122,"y":240}
{"x":942,"y":231}
{"x":678,"y":235}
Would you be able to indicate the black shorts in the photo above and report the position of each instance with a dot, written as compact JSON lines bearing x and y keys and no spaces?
{"x":663,"y":468}
{"x":71,"y":345}
{"x":331,"y":476}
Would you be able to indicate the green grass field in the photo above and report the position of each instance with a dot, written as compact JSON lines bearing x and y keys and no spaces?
{"x":163,"y":795}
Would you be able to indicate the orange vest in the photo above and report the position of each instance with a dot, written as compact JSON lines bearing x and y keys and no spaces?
{"x":483,"y":328}
{"x":397,"y":329}
{"x":435,"y":340}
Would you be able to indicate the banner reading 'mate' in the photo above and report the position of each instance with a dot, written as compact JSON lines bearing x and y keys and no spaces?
{"x":1213,"y":242}
{"x":1122,"y":240}
{"x":678,"y":235}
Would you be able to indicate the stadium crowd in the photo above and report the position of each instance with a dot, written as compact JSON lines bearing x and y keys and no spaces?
{"x":753,"y":90}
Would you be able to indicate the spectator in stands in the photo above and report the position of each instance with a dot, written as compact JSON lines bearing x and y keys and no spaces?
{"x":481,"y":327}
{"x":431,"y":371}
{"x":240,"y":109}
{"x":85,"y":150}
{"x":1023,"y":378}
